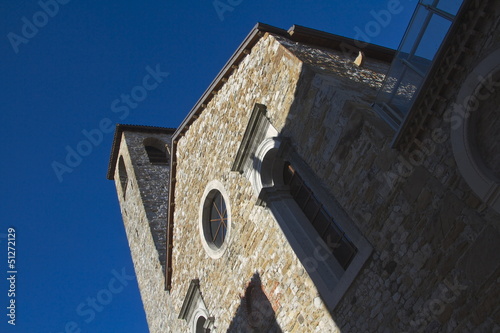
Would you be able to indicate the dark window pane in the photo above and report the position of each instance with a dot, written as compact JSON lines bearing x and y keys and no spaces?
{"x":302,"y":196}
{"x":214,"y":215}
{"x":295,"y":185}
{"x":219,"y":238}
{"x":311,"y":208}
{"x":214,"y":227}
{"x":199,"y":325}
{"x":321,"y":222}
{"x":218,"y":220}
{"x":123,"y":175}
{"x":332,"y":237}
{"x":345,"y":252}
{"x":341,"y":248}
{"x":156,"y":156}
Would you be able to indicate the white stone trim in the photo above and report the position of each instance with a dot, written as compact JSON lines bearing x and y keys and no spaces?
{"x":212,"y":251}
{"x":194,"y":308}
{"x":331,"y":280}
{"x":472,"y":168}
{"x":256,"y":173}
{"x":258,"y":134}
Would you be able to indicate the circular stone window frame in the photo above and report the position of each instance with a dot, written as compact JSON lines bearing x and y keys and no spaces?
{"x":213,"y":251}
{"x":479,"y":177}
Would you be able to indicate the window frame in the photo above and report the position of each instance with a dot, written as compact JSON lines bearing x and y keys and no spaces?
{"x":194,"y":308}
{"x":319,"y":210}
{"x":122,"y":173}
{"x":155,"y":151}
{"x":260,"y":159}
{"x":330,"y":278}
{"x":218,"y":218}
{"x":204,"y":223}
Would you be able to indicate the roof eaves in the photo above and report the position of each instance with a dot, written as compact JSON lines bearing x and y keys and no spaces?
{"x":320,"y":38}
{"x":115,"y":147}
{"x":251,"y":39}
{"x":296,"y":33}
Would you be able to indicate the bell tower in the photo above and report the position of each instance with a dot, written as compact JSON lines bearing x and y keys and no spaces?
{"x":140,"y":166}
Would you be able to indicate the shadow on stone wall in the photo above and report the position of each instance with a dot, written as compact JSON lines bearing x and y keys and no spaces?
{"x":255,"y":313}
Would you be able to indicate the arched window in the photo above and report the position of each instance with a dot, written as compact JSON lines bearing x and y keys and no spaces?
{"x":334,"y":237}
{"x":323,"y":237}
{"x":194,"y":310}
{"x":155,"y":150}
{"x":200,"y":325}
{"x":122,"y":172}
{"x":156,"y":156}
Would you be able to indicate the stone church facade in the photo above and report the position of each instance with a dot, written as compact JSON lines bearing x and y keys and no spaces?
{"x":287,"y":202}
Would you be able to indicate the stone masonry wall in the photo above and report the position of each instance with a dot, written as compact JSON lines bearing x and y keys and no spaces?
{"x":436,"y":256}
{"x":144,"y":213}
{"x":429,"y":232}
{"x":152,"y":180}
{"x":268,"y":75}
{"x":436,"y":246}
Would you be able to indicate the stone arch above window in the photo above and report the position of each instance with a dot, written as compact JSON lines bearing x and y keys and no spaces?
{"x":475,"y":119}
{"x":200,"y":323}
{"x":122,"y":173}
{"x":267,"y":166}
{"x":156,"y":151}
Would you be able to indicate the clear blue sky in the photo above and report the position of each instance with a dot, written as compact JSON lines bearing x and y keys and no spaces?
{"x":61,"y":78}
